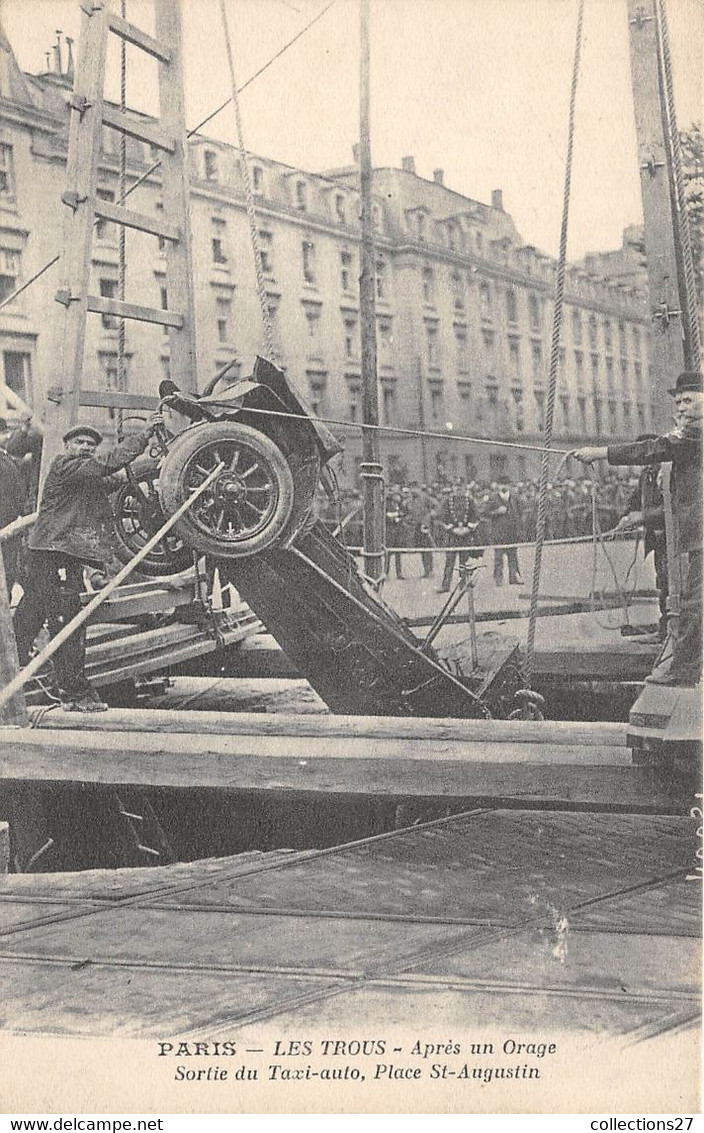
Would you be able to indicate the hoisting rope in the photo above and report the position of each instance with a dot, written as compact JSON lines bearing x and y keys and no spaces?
{"x":681,"y":217}
{"x":554,"y":359}
{"x":122,"y":234}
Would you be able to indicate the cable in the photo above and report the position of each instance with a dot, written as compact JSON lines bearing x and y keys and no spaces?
{"x":157,"y":164}
{"x":554,"y":355}
{"x":249,"y":196}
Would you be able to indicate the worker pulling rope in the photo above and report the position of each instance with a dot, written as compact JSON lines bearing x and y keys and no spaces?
{"x":554,"y":357}
{"x":249,"y":195}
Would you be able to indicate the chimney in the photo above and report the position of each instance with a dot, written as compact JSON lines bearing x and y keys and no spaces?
{"x":439,"y":176}
{"x":69,"y":62}
{"x":497,"y":199}
{"x":408,"y":164}
{"x":57,"y":52}
{"x":355,"y":153}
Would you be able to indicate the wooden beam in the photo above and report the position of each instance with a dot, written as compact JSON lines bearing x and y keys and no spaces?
{"x":577,"y":776}
{"x":371,"y":728}
{"x":134,"y":35}
{"x":118,"y":399}
{"x":143,"y":129}
{"x":120,"y":310}
{"x":141,"y":221}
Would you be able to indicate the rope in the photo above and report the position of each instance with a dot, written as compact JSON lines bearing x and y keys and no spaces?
{"x":157,"y":164}
{"x":249,"y":195}
{"x":554,"y":357}
{"x":397,"y":430}
{"x":122,"y":234}
{"x":682,"y":219}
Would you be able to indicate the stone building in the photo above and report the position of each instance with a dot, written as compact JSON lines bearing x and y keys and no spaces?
{"x":463,"y":304}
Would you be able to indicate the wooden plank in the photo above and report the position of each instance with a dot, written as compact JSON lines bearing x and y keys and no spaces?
{"x":156,"y":315}
{"x":578,"y":777}
{"x":143,"y":129}
{"x":396,"y":729}
{"x":134,"y":35}
{"x":118,"y":399}
{"x":141,"y":221}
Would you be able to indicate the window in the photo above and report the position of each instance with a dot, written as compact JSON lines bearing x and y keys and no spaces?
{"x":161,"y":240}
{"x":386,"y":338}
{"x":576,"y":326}
{"x":316,"y":387}
{"x":593,"y":337}
{"x":636,"y":341}
{"x":452,"y":235}
{"x":579,"y":367}
{"x":108,"y":290}
{"x":488,"y":340}
{"x":613,"y":418}
{"x":596,"y":402}
{"x":313,"y":324}
{"x":479,"y":241}
{"x":219,"y":240}
{"x":388,"y":404}
{"x":609,"y":373}
{"x":519,"y":411}
{"x":466,"y":407}
{"x":582,"y":411}
{"x":432,"y":345}
{"x":301,"y":196}
{"x":428,"y":286}
{"x":608,"y":334}
{"x":104,"y":229}
{"x":224,"y":310}
{"x":351,"y":337}
{"x":436,"y":404}
{"x":9,"y":271}
{"x":7,"y":172}
{"x":346,"y":271}
{"x":537,"y":352}
{"x":340,"y":207}
{"x":210,"y":165}
{"x":514,"y":353}
{"x":308,"y":250}
{"x":534,"y":312}
{"x":164,"y":297}
{"x":595,"y":370}
{"x":539,"y":397}
{"x":565,"y":407}
{"x":457,"y":283}
{"x":380,"y":279}
{"x":17,"y":371}
{"x":421,"y":226}
{"x":627,"y":423}
{"x":266,"y":240}
{"x":462,"y":355}
{"x":353,"y":392}
{"x":485,"y":300}
{"x":492,"y":404}
{"x":640,"y":409}
{"x":638,"y":372}
{"x":511,"y":306}
{"x":257,"y":179}
{"x":622,"y":337}
{"x":497,"y":465}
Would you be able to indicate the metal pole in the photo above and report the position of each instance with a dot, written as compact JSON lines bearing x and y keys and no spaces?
{"x":372,"y":476}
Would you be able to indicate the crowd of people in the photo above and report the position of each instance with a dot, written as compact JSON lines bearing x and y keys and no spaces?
{"x":483,"y":513}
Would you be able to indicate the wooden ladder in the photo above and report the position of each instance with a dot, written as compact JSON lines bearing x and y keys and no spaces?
{"x":167,"y":137}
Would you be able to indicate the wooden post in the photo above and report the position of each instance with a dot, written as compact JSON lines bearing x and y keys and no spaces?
{"x":15,"y":711}
{"x":371,"y":470}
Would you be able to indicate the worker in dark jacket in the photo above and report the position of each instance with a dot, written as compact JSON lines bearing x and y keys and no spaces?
{"x":74,"y":529}
{"x":460,"y":521}
{"x":646,"y":509}
{"x":683,"y":448}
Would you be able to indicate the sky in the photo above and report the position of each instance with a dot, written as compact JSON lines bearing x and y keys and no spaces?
{"x":479,"y":88}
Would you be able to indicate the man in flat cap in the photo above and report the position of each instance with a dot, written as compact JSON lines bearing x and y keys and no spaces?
{"x":74,"y":529}
{"x":683,"y":448}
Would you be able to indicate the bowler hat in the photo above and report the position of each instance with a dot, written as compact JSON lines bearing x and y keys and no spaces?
{"x":83,"y":431}
{"x":688,"y":381}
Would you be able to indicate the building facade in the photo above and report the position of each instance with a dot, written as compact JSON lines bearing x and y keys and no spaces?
{"x":464,"y":306}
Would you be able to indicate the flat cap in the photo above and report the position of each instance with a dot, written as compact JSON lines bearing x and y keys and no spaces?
{"x":83,"y":431}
